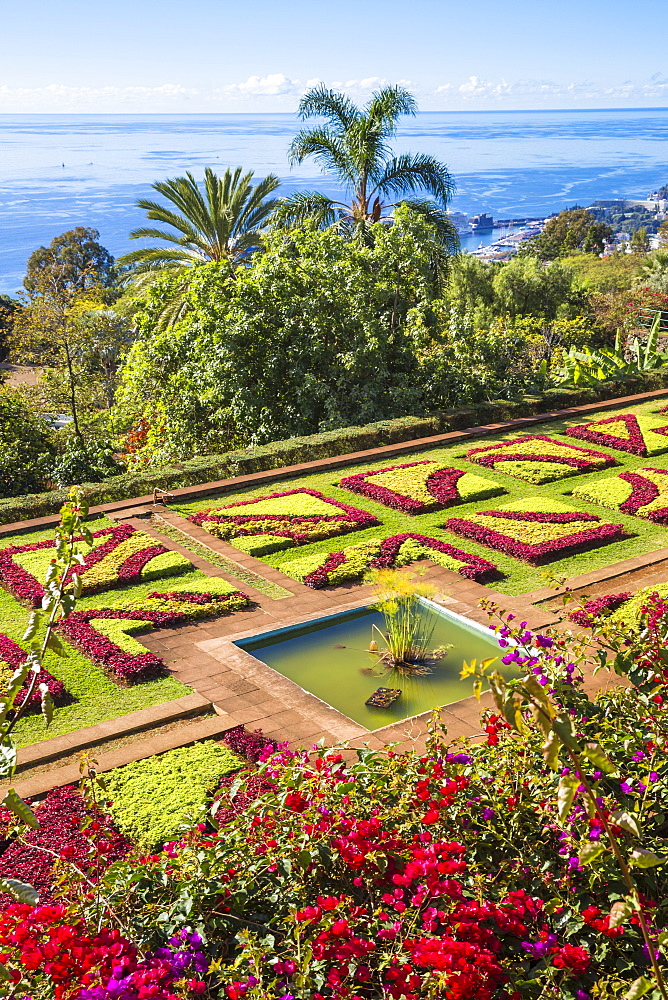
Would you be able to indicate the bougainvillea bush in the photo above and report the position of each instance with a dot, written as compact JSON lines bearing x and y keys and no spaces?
{"x":352,"y":562}
{"x":637,"y":433}
{"x":536,"y":530}
{"x":417,"y":487}
{"x":539,"y":459}
{"x":282,"y":520}
{"x":643,"y":493}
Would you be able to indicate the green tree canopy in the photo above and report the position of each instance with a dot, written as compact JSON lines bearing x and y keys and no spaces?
{"x":571,"y":230}
{"x":320,"y":333}
{"x":353,"y":145}
{"x":26,"y":446}
{"x":73,"y":263}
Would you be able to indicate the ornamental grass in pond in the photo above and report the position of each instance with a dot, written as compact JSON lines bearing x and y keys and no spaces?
{"x":408,"y":625}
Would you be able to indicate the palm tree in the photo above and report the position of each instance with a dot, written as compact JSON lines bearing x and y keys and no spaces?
{"x":223,"y":223}
{"x":354,"y":146}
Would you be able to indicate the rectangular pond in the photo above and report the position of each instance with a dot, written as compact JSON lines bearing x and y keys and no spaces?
{"x":329,"y":658}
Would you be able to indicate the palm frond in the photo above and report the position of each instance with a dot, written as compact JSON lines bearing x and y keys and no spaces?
{"x":412,"y":172}
{"x":322,"y":102}
{"x":388,"y":105}
{"x":305,"y":206}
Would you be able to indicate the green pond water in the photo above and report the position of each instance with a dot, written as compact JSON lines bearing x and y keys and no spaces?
{"x":311,"y":655}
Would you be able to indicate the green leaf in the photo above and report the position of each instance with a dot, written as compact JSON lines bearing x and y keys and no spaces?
{"x":589,"y":852}
{"x":639,"y":988}
{"x":47,"y":704}
{"x":568,"y":786}
{"x":20,"y":890}
{"x":646,"y":859}
{"x":627,"y":821}
{"x":54,"y":643}
{"x":551,"y":748}
{"x":620,"y":912}
{"x":7,"y":759}
{"x":33,"y":626}
{"x":15,"y":804}
{"x":594,"y":754}
{"x":563,"y":727}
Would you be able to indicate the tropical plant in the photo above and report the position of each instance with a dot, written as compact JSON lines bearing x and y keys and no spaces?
{"x":408,"y":623}
{"x":222,"y":224}
{"x":353,"y":145}
{"x":26,"y":446}
{"x":654,"y":272}
{"x":583,"y":366}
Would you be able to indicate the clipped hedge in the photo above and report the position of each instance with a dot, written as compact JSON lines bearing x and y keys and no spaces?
{"x":153,"y":799}
{"x":292,"y":451}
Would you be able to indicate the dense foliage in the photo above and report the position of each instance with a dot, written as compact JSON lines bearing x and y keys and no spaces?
{"x":27,"y":447}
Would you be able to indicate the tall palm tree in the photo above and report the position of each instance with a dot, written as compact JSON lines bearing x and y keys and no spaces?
{"x":222,"y":223}
{"x":353,"y":145}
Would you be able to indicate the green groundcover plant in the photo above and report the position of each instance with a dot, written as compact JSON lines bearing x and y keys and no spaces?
{"x":525,"y":866}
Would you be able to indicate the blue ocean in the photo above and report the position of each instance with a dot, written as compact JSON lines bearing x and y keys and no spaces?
{"x":60,"y":171}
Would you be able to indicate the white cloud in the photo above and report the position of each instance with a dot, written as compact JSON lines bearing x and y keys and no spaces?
{"x":536,"y":93}
{"x":274,"y":85}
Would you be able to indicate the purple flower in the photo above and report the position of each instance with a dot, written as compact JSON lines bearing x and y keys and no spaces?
{"x":626,"y":787}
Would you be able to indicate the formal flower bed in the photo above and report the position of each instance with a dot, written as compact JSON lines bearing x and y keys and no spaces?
{"x":538,"y":459}
{"x":597,"y":608}
{"x":281,"y":520}
{"x":643,"y":492}
{"x":71,"y":831}
{"x":334,"y":568}
{"x":121,"y":655}
{"x":13,"y":656}
{"x":122,"y":556}
{"x":641,"y":434}
{"x":536,"y":530}
{"x":417,"y":487}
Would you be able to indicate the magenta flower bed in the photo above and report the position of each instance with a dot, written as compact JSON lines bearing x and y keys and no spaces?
{"x":14,"y":656}
{"x":135,"y":667}
{"x":26,"y":587}
{"x":502,"y":452}
{"x":538,"y":552}
{"x":61,"y":815}
{"x":473,"y":567}
{"x":597,"y":608}
{"x":635,"y":443}
{"x":644,"y":492}
{"x":298,"y":527}
{"x":442,"y":484}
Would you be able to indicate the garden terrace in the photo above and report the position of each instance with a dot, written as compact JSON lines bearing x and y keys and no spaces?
{"x":170,"y":588}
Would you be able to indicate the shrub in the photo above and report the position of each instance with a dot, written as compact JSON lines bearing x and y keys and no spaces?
{"x":26,"y":447}
{"x":153,"y":799}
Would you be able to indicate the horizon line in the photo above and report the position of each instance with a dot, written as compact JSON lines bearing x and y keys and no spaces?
{"x":461,"y":111}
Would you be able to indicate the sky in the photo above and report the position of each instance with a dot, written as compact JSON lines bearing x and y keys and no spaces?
{"x":175,"y":56}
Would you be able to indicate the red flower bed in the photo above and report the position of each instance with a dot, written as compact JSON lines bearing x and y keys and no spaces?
{"x":598,"y":607}
{"x":134,"y":667}
{"x":442,"y":484}
{"x":25,"y":586}
{"x":537,"y":552}
{"x":634,"y":443}
{"x":589,"y":460}
{"x":68,"y":829}
{"x":644,"y":492}
{"x":474,"y":567}
{"x":300,"y":528}
{"x":14,"y":656}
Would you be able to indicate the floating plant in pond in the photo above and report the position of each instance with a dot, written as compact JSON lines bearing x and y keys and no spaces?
{"x":408,"y":626}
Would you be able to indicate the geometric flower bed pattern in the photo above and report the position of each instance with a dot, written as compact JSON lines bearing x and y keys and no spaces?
{"x":122,"y":556}
{"x":282,"y":520}
{"x":538,"y":459}
{"x":643,"y":493}
{"x":12,"y":656}
{"x":105,"y":635}
{"x":639,"y":435}
{"x":334,"y":568}
{"x":417,"y":487}
{"x":536,"y":530}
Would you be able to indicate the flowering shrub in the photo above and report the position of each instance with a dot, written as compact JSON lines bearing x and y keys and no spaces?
{"x":643,"y":492}
{"x":334,"y":568}
{"x":70,"y":831}
{"x":599,"y":607}
{"x":293,"y":517}
{"x":13,"y":656}
{"x":539,"y":459}
{"x":124,"y":556}
{"x":421,"y":486}
{"x":536,"y":530}
{"x":641,"y":434}
{"x":131,"y":664}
